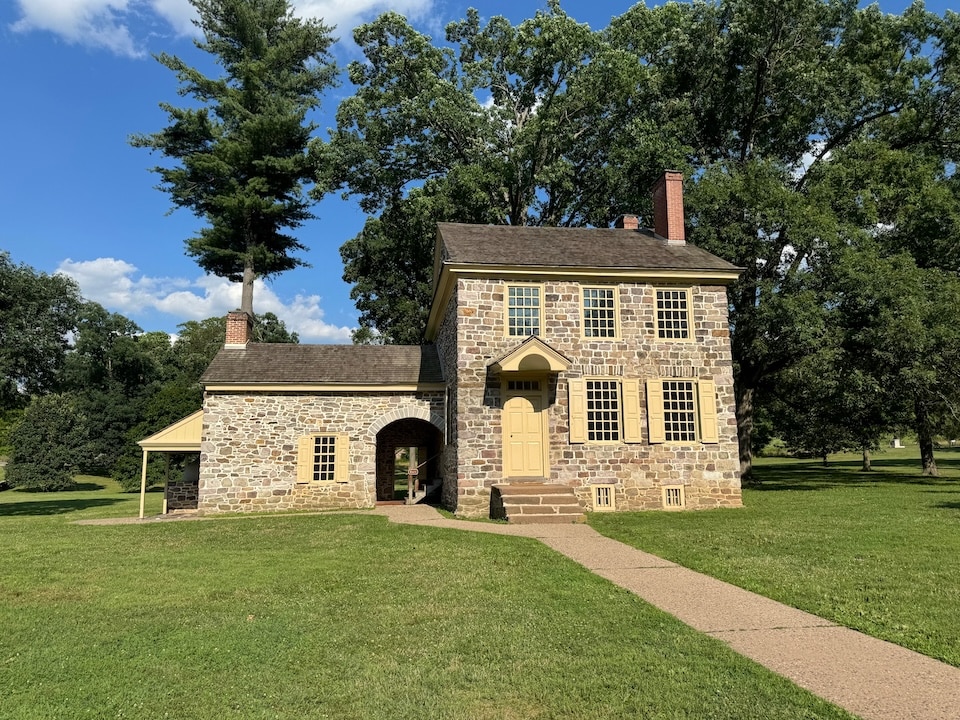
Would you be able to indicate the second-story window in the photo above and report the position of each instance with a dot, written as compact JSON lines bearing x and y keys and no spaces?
{"x":673,"y":314}
{"x":523,"y":310}
{"x":599,"y":312}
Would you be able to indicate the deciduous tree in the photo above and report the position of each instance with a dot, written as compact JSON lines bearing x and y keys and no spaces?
{"x":37,"y":311}
{"x":762,"y":104}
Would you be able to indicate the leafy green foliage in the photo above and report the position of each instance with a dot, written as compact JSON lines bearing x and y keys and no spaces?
{"x":241,"y":156}
{"x":802,"y":126}
{"x":50,"y":444}
{"x":178,"y":393}
{"x":36,"y":313}
{"x":507,"y":127}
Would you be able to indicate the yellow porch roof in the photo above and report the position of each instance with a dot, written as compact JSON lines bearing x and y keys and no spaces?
{"x":183,"y":436}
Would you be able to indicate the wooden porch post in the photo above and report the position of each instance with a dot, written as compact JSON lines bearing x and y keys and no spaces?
{"x":166,"y":482}
{"x":143,"y":482}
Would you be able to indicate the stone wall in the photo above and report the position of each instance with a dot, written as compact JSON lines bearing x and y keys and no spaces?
{"x":249,"y":448}
{"x":450,"y":360}
{"x":181,"y":496}
{"x":708,"y":472}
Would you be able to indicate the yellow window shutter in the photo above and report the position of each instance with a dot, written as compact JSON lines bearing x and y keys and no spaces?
{"x":341,"y":461}
{"x":707,"y":401}
{"x":577,"y":409}
{"x":655,"y":419}
{"x":305,"y":459}
{"x":631,"y":411}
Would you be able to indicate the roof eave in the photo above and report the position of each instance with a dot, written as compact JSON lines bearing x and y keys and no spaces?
{"x":295,"y":387}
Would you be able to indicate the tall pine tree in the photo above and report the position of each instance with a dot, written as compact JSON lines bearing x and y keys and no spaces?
{"x":241,"y":156}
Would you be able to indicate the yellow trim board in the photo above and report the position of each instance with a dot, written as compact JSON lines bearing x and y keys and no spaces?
{"x":532,"y":355}
{"x":184,"y":435}
{"x":323,"y":387}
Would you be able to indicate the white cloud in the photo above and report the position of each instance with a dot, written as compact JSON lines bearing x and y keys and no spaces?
{"x":347,"y":14}
{"x":107,"y":23}
{"x":118,"y":286}
{"x":97,"y":23}
{"x":178,"y":13}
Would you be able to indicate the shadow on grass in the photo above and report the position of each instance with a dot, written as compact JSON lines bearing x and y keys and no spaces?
{"x":60,"y":506}
{"x":814,"y":475}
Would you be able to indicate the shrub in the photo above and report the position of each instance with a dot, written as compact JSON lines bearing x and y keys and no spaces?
{"x":49,"y":445}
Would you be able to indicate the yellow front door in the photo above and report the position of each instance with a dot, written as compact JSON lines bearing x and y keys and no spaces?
{"x":524,"y":435}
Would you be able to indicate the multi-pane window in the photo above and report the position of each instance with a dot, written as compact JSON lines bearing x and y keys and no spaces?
{"x":324,"y":458}
{"x":603,"y":410}
{"x":599,"y":313}
{"x":682,"y":411}
{"x":523,"y":310}
{"x":679,"y":411}
{"x":673,"y":314}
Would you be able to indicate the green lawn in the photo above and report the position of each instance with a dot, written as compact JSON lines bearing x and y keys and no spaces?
{"x":336,"y":616}
{"x":879,"y":552}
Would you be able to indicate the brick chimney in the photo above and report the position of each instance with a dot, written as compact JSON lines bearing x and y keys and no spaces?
{"x":627,"y":222}
{"x":239,"y":329}
{"x":668,"y":207}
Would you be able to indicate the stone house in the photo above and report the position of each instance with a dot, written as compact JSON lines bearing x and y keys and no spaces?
{"x":562,"y":370}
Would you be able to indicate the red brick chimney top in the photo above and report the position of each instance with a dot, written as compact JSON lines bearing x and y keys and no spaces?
{"x":668,"y":208}
{"x":627,"y":222}
{"x":239,"y":329}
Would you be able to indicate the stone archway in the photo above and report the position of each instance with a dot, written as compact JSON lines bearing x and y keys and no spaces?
{"x":403,"y":433}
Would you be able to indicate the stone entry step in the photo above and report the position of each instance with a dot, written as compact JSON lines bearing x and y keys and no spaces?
{"x":535,"y":502}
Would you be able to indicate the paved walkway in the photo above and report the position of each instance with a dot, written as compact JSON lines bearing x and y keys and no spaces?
{"x":874,"y":679}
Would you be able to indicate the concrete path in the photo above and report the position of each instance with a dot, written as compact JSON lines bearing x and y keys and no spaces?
{"x":871,"y":678}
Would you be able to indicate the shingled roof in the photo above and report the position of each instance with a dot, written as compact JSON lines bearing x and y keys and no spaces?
{"x":571,"y":248}
{"x":287,"y":364}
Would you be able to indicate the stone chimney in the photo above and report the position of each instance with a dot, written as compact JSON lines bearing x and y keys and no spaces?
{"x":668,"y":208}
{"x":627,"y":222}
{"x":239,"y":329}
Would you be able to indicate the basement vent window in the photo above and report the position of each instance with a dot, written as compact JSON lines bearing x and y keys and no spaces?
{"x":603,"y":498}
{"x":673,"y":498}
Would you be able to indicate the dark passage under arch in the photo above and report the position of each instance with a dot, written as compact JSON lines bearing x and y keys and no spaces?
{"x":409,"y":432}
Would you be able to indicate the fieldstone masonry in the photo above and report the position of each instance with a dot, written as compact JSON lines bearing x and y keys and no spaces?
{"x":472,"y":336}
{"x":249,"y":449}
{"x":250,"y":445}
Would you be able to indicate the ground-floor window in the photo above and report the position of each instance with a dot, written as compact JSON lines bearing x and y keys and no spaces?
{"x":607,"y":410}
{"x":604,"y":410}
{"x":323,"y":458}
{"x":682,"y":411}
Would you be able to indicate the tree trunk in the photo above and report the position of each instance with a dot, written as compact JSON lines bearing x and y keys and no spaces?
{"x":744,"y":397}
{"x":866,"y":467}
{"x":246,"y":296}
{"x":925,"y":439}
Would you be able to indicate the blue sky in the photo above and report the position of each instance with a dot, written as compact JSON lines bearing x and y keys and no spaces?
{"x":78,"y":78}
